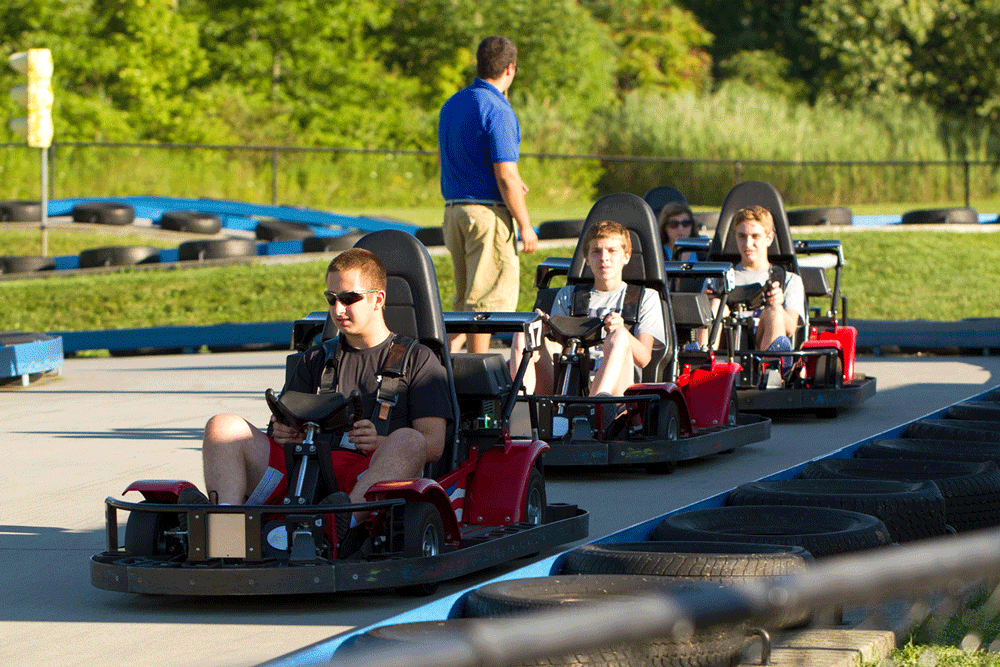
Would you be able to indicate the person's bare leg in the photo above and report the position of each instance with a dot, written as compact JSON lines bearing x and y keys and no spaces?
{"x":455,"y":342}
{"x":616,"y":372}
{"x":234,"y":457}
{"x":402,"y":455}
{"x":771,"y":325}
{"x":478,"y":343}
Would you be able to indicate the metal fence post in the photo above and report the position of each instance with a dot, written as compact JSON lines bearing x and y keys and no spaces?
{"x":738,"y":168}
{"x":274,"y":176}
{"x":965,"y":166}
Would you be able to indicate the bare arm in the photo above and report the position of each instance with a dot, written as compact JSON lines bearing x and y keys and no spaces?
{"x":433,"y":430}
{"x":513,"y":189}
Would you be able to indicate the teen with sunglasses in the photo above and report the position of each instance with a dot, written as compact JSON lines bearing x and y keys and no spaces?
{"x":676,"y":221}
{"x":244,"y":464}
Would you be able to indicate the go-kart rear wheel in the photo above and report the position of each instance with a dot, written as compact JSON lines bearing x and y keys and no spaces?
{"x":534,"y":499}
{"x":144,"y":532}
{"x":668,"y":428}
{"x":422,"y":532}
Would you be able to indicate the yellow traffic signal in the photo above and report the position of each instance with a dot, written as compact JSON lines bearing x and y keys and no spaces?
{"x":36,"y":96}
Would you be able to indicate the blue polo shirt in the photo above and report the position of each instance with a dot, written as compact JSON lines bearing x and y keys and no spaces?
{"x":477,"y":128}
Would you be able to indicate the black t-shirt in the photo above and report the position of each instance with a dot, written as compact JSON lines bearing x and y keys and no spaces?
{"x":423,"y":389}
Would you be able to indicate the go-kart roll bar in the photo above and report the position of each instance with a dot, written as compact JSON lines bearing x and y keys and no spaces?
{"x":694,"y":244}
{"x":722,"y":270}
{"x":827,"y":247}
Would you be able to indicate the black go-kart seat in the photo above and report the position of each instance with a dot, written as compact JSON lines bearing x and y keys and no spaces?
{"x":412,"y":308}
{"x":661,"y":195}
{"x":781,"y":252}
{"x":645,"y":268}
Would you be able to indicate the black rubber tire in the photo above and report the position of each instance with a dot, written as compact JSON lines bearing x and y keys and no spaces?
{"x":331,"y":243}
{"x":971,"y":490}
{"x":716,"y":648}
{"x":430,"y":236}
{"x":726,"y":563}
{"x":26,"y":264}
{"x":910,"y":510}
{"x":104,"y":213}
{"x":975,"y":410}
{"x":941,"y":216}
{"x":811,"y":217}
{"x":935,"y":450}
{"x":668,"y":428}
{"x":144,"y":532}
{"x":386,"y":636}
{"x":283,"y":230}
{"x":423,"y":536}
{"x":533,"y":507}
{"x":819,"y":530}
{"x":967,"y":430}
{"x":560,"y":229}
{"x":216,"y":249}
{"x":20,"y":211}
{"x":119,"y":256}
{"x":192,"y":222}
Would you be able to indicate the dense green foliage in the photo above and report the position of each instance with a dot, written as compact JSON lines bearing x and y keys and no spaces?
{"x":896,"y":275}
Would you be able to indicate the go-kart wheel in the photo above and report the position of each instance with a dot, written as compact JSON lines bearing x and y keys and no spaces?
{"x":534,"y":499}
{"x":144,"y":532}
{"x":668,"y":428}
{"x":422,"y":531}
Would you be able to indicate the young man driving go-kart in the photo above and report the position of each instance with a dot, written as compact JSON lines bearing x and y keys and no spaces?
{"x":782,"y":309}
{"x":626,"y":346}
{"x":242,"y":464}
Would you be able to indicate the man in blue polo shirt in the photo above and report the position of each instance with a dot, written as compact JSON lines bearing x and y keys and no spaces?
{"x":479,"y":143}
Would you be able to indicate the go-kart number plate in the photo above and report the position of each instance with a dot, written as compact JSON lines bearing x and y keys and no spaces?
{"x":227,"y":535}
{"x":533,"y":332}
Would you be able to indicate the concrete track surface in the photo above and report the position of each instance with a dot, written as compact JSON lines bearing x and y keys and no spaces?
{"x":69,"y":442}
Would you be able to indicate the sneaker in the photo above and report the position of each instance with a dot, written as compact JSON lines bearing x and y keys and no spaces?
{"x":342,"y":520}
{"x":692,"y":347}
{"x":782,"y":344}
{"x":356,"y":544}
{"x":189,"y":495}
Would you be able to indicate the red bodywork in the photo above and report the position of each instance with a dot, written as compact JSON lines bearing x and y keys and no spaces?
{"x":495,"y":491}
{"x":159,"y":490}
{"x":844,"y":339}
{"x":707,"y":390}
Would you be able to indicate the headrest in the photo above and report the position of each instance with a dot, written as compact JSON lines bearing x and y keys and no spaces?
{"x":743,"y":195}
{"x":662,"y":195}
{"x":645,"y":267}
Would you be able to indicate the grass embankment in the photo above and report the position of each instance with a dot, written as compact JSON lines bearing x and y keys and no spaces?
{"x":890,"y":275}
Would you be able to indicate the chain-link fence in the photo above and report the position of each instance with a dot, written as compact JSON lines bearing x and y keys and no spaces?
{"x":360,"y":178}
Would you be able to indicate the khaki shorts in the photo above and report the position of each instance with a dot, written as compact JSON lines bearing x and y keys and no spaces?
{"x":483,"y":251}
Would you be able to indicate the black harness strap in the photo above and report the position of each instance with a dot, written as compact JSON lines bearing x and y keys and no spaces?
{"x":389,"y":377}
{"x":630,"y":304}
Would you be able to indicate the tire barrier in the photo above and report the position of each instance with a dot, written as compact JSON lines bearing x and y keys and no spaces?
{"x":967,"y":430}
{"x":831,"y":215}
{"x":721,"y":647}
{"x":192,"y":222}
{"x":282,"y":230}
{"x":217,"y":249}
{"x":119,"y":256}
{"x":560,"y":229}
{"x":971,"y":490}
{"x":430,"y":236}
{"x":975,"y":410}
{"x":819,"y":530}
{"x":929,"y":449}
{"x":20,"y":211}
{"x":331,"y":243}
{"x":939,"y":216}
{"x":909,"y":510}
{"x":725,"y":563}
{"x":26,"y":264}
{"x":104,"y":213}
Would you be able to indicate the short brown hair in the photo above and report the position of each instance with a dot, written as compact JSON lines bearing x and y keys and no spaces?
{"x":606,"y":229}
{"x":493,"y":56}
{"x":365,"y":261}
{"x":755,"y":214}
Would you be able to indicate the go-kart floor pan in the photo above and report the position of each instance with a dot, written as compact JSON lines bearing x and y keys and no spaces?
{"x":805,"y":400}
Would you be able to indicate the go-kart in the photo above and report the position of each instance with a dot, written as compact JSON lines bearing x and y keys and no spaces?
{"x":675,"y":413}
{"x":820,"y":377}
{"x":481,"y":505}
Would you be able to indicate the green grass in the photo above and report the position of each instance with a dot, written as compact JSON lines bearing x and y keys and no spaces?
{"x":895,"y":275}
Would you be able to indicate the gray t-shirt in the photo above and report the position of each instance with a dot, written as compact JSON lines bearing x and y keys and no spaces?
{"x":650,"y":318}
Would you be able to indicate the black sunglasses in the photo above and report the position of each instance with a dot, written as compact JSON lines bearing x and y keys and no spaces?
{"x":674,"y":224}
{"x":347,"y":298}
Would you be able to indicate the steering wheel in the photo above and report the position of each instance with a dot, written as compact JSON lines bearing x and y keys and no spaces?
{"x":585,"y":330}
{"x":754,"y":295}
{"x":331,"y":412}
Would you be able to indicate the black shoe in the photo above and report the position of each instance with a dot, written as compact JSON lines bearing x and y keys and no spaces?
{"x":189,"y":495}
{"x":342,"y":520}
{"x":356,"y":544}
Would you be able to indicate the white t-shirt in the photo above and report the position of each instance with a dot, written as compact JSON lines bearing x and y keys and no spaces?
{"x":650,"y":317}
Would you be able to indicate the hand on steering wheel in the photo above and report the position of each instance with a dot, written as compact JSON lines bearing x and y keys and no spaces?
{"x":613,"y":321}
